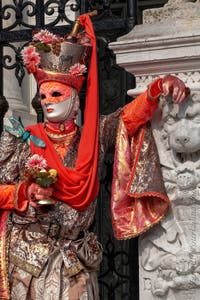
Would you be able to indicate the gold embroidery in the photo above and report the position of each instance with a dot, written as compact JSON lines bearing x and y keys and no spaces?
{"x":4,"y":282}
{"x":75,"y":269}
{"x":24,"y":265}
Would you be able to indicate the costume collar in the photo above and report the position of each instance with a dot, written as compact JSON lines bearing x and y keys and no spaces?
{"x":61,"y":128}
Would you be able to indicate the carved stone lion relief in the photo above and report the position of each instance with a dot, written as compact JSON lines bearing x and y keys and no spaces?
{"x":170,"y":252}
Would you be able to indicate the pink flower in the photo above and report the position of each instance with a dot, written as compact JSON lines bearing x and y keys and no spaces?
{"x":36,"y":163}
{"x":30,"y":56}
{"x":77,"y":69}
{"x":36,"y":170}
{"x":46,"y":37}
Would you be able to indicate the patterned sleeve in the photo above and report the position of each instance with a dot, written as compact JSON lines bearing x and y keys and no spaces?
{"x":134,"y":114}
{"x":13,"y":155}
{"x":108,"y":130}
{"x":138,"y":112}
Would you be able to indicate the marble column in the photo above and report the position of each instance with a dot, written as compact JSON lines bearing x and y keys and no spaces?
{"x":168,"y":41}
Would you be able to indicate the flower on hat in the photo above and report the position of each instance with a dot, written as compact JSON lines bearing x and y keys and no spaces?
{"x":46,"y":37}
{"x":30,"y":54}
{"x":31,"y":58}
{"x":77,"y":69}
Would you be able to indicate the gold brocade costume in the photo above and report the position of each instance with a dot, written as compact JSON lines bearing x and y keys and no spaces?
{"x":51,"y":253}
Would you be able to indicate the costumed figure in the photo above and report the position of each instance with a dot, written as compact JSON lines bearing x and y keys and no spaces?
{"x":47,"y":251}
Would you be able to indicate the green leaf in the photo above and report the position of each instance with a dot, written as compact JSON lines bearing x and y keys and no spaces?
{"x":44,"y":181}
{"x":43,"y":47}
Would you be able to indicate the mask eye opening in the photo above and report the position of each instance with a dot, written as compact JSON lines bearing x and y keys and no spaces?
{"x":43,"y":96}
{"x":56,"y":94}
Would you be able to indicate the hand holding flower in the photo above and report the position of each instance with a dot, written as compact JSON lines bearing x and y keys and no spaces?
{"x":37,"y":193}
{"x":40,"y":178}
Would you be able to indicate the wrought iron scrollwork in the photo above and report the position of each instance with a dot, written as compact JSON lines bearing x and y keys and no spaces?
{"x":15,"y":12}
{"x":21,"y":9}
{"x":59,"y":9}
{"x":115,"y":261}
{"x":112,"y":257}
{"x":14,"y":61}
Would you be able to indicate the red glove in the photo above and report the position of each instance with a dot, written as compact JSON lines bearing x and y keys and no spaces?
{"x":166,"y":86}
{"x":175,"y":86}
{"x":36,"y":192}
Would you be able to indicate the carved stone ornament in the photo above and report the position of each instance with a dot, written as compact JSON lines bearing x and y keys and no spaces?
{"x":170,"y":252}
{"x":173,"y":9}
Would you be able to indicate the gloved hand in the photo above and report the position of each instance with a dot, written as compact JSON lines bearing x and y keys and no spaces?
{"x":36,"y":193}
{"x":168,"y":85}
{"x":175,"y":86}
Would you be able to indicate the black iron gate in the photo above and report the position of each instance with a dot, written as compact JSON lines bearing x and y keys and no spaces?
{"x":118,"y":278}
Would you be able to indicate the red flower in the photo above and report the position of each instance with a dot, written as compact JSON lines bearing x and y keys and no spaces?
{"x":30,"y":56}
{"x":77,"y":69}
{"x":46,"y":37}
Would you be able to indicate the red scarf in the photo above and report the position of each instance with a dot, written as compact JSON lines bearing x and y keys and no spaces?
{"x":78,"y":187}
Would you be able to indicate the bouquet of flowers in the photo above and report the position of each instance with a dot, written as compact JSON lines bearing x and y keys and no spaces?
{"x":36,"y":170}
